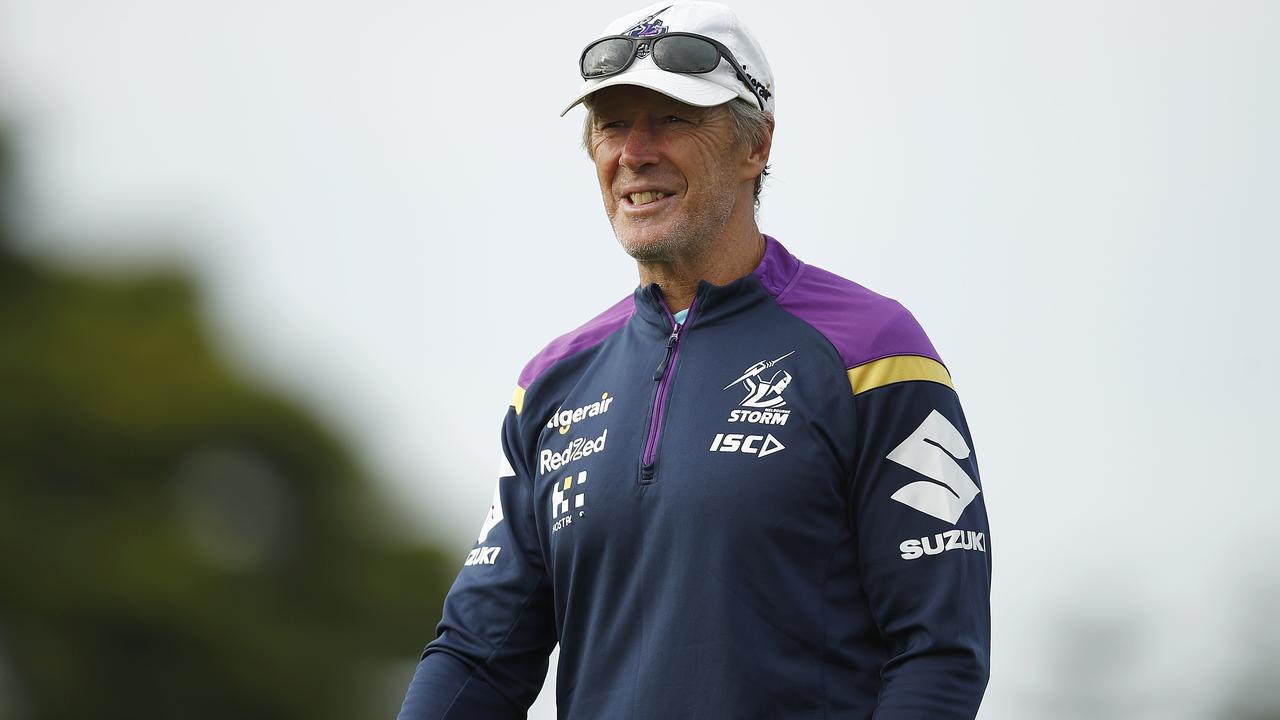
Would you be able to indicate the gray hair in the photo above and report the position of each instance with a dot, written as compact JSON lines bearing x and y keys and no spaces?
{"x":750,"y":125}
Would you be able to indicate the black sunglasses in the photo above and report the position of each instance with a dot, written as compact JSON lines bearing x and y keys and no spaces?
{"x":678,"y":52}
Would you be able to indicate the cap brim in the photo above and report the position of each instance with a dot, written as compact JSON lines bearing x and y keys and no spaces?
{"x":689,"y":89}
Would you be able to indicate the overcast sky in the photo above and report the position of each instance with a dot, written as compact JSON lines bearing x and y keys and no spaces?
{"x":1077,"y":200}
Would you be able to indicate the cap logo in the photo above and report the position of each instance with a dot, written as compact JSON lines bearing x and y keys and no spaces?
{"x":648,"y":27}
{"x":761,"y":88}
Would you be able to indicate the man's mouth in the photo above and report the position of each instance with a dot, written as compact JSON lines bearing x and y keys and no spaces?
{"x":646,"y":197}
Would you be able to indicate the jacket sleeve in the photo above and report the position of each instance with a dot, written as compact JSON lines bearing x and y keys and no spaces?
{"x":924,"y":549}
{"x":489,"y":658}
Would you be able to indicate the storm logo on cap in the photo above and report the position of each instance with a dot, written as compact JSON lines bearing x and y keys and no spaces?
{"x":648,"y":27}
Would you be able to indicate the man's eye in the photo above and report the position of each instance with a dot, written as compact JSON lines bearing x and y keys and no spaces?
{"x":672,"y":119}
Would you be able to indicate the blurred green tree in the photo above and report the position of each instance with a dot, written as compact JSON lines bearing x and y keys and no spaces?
{"x":177,"y":542}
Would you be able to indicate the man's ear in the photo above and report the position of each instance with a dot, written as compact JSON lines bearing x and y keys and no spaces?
{"x":758,"y":156}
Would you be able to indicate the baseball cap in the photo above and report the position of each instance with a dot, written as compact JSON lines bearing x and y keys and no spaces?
{"x":700,"y":17}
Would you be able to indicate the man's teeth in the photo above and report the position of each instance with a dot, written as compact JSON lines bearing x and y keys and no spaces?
{"x":644,"y":198}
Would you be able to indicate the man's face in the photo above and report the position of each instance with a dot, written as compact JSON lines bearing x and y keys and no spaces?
{"x":670,"y":174}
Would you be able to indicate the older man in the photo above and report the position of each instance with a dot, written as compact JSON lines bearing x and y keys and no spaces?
{"x":746,"y":490}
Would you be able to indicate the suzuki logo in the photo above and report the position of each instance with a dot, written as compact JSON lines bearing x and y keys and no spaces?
{"x":934,"y":450}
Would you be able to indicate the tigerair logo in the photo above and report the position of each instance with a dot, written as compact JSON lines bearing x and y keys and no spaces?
{"x":578,"y":448}
{"x":563,"y":500}
{"x":564,"y":419}
{"x":761,"y":88}
{"x":764,"y":402}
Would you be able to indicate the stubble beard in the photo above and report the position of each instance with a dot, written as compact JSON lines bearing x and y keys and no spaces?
{"x":686,"y":239}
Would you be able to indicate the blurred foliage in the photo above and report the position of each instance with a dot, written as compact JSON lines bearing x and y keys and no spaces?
{"x":178,"y":543}
{"x":1254,"y":693}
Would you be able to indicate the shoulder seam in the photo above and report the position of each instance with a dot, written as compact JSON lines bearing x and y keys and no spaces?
{"x":562,"y":347}
{"x":790,"y":284}
{"x":862,"y":325}
{"x":878,"y":358}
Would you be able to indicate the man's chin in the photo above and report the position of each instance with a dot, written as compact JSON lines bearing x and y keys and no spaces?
{"x":648,"y":246}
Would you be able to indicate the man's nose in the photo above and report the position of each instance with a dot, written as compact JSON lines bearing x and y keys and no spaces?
{"x":640,"y":147}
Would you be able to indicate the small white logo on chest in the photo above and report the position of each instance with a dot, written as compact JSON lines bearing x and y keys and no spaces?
{"x":567,"y":493}
{"x":764,"y":400}
{"x":564,"y":419}
{"x":758,"y":445}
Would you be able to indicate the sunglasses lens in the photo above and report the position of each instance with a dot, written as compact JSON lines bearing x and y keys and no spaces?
{"x":606,"y":57}
{"x":684,"y":54}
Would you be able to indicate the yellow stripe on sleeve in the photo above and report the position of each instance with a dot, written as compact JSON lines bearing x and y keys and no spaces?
{"x":895,"y":369}
{"x":517,"y":399}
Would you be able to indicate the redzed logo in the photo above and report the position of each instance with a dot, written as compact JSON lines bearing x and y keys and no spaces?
{"x":578,"y":448}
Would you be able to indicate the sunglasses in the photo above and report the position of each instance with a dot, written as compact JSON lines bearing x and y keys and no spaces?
{"x":677,"y":52}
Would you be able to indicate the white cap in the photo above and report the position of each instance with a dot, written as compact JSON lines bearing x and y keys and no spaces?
{"x":703,"y":18}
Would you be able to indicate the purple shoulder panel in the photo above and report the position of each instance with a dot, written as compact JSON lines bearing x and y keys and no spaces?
{"x":861,"y":324}
{"x":778,"y":268}
{"x":592,"y":332}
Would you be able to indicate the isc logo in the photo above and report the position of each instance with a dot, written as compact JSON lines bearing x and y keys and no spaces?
{"x":758,"y":445}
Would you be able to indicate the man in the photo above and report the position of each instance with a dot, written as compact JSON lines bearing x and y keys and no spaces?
{"x":746,"y":490}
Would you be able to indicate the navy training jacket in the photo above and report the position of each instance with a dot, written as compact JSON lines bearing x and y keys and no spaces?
{"x":772,"y":511}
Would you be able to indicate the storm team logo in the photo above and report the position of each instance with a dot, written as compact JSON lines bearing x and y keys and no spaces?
{"x":764,"y":402}
{"x":647,"y":28}
{"x":764,"y":392}
{"x":763,"y":405}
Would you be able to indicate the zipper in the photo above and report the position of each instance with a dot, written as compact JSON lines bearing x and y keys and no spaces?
{"x":662,"y":375}
{"x":666,"y":359}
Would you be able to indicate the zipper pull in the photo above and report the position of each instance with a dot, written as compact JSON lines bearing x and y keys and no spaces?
{"x":671,"y":343}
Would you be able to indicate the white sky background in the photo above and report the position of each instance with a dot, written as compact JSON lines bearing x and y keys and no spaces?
{"x":1079,"y":202}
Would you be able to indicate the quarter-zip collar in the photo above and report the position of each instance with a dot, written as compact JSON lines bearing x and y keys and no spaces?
{"x":771,"y":277}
